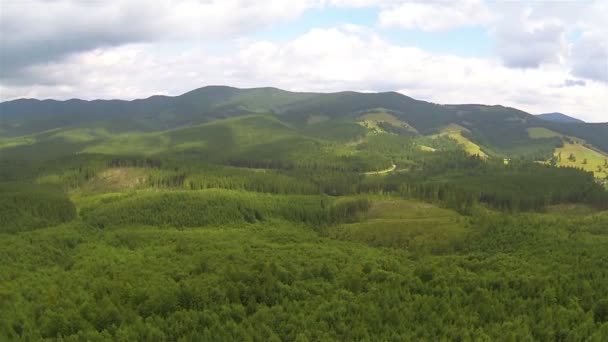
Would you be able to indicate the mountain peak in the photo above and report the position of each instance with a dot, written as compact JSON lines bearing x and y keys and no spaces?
{"x":558,"y":117}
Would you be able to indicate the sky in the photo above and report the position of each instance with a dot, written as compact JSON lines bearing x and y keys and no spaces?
{"x":538,"y":56}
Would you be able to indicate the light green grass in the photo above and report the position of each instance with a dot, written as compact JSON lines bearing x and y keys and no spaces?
{"x":594,"y":159}
{"x":455,"y":132}
{"x":406,"y":224}
{"x":117,"y":179}
{"x":371,"y":120}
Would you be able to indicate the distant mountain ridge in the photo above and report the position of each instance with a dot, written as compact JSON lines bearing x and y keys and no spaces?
{"x":559,"y":117}
{"x":500,"y":130}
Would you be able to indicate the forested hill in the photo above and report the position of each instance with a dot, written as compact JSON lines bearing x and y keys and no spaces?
{"x":231,"y":214}
{"x":559,"y":117}
{"x":498,"y":129}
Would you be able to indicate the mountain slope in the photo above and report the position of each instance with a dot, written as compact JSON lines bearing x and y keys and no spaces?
{"x":27,"y":116}
{"x":558,"y":117}
{"x":501,"y":131}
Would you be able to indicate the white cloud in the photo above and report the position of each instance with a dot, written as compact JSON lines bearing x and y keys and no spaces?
{"x":435,"y":16}
{"x":527,"y":34}
{"x":42,"y":31}
{"x":570,"y":33}
{"x":527,"y":43}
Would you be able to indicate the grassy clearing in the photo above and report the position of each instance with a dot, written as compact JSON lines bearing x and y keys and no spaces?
{"x":117,"y":179}
{"x":584,"y":158}
{"x":216,"y":207}
{"x":406,"y":224}
{"x":455,"y":132}
{"x":374,"y":120}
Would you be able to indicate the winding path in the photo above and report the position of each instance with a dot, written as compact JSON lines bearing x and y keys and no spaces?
{"x":390,"y":169}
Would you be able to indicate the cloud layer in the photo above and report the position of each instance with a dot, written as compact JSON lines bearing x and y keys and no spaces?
{"x":41,"y":31}
{"x":546,"y":59}
{"x":435,"y":16}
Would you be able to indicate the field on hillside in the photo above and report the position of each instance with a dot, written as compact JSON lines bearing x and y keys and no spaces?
{"x":456,"y":132}
{"x":584,"y":158}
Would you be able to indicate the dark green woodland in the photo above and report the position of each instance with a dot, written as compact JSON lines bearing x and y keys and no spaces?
{"x":230,"y":214}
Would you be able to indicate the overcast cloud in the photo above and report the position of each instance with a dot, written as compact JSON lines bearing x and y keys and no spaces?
{"x":547,"y":56}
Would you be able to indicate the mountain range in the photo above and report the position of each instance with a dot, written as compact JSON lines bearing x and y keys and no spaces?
{"x":498,"y":130}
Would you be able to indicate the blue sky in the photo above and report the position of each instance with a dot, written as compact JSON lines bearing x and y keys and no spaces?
{"x":539,"y":56}
{"x":319,"y":18}
{"x":463,"y":41}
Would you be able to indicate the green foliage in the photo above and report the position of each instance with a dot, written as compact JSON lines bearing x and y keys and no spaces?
{"x":215,"y":207}
{"x":255,"y":215}
{"x":502,"y":130}
{"x":398,"y":130}
{"x":459,"y":182}
{"x":336,"y":130}
{"x":26,"y":207}
{"x":518,"y":277}
{"x":411,"y":225}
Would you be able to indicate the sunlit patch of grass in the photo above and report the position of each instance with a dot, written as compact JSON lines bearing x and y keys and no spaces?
{"x":371,"y":121}
{"x":117,"y":179}
{"x":455,"y":132}
{"x":408,"y":225}
{"x":584,"y":158}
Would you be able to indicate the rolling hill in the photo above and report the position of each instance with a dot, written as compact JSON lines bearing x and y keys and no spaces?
{"x":261,"y":214}
{"x":558,"y":117}
{"x":195,"y":122}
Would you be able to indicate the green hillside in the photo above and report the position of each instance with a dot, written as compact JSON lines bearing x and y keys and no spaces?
{"x":230,"y":214}
{"x":498,"y":129}
{"x":580,"y":156}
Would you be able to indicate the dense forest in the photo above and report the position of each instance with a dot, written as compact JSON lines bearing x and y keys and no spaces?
{"x":323,"y":218}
